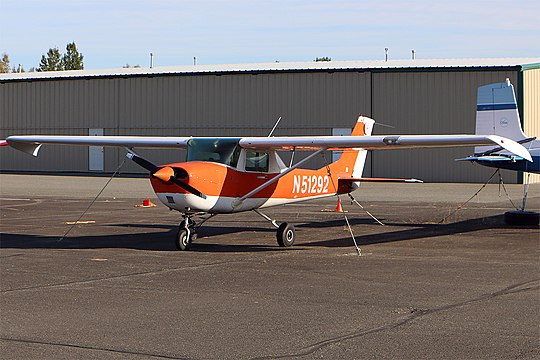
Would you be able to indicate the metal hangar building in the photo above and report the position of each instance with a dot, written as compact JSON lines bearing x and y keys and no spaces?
{"x":313,"y":98}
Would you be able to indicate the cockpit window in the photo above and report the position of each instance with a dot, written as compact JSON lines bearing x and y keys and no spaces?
{"x":257,"y":161}
{"x":223,"y":151}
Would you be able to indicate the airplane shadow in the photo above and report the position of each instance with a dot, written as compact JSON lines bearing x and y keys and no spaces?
{"x":163,"y":240}
{"x":420,"y":231}
{"x":152,"y":241}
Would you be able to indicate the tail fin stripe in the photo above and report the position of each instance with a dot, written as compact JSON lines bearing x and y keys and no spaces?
{"x":491,"y":107}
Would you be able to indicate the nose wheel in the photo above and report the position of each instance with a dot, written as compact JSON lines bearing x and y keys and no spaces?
{"x":186,"y":234}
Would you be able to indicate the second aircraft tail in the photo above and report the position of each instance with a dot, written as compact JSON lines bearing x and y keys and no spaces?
{"x":497,"y":113}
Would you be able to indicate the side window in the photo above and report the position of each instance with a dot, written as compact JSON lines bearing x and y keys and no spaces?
{"x":257,"y":161}
{"x":234,"y":159}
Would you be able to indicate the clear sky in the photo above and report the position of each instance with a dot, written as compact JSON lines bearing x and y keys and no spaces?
{"x":113,"y":33}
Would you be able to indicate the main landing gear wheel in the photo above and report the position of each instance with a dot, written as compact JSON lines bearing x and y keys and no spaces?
{"x":285,"y":235}
{"x":521,"y":217}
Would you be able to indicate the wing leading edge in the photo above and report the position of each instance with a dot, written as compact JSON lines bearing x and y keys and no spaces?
{"x":31,"y":144}
{"x":381,"y":142}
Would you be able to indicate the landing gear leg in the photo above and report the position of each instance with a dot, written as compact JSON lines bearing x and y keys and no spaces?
{"x":285,"y":234}
{"x":186,"y":233}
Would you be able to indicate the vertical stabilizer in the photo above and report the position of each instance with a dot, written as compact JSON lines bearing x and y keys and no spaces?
{"x":497,"y":113}
{"x":352,"y":161}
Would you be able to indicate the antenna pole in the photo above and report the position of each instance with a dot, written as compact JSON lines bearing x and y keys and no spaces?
{"x":275,"y":126}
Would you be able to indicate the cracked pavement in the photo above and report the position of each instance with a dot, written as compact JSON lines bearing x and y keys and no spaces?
{"x":117,"y":289}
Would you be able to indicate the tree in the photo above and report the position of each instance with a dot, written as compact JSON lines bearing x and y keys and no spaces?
{"x":52,"y":62}
{"x":4,"y":63}
{"x":72,"y":59}
{"x":325,"y":58}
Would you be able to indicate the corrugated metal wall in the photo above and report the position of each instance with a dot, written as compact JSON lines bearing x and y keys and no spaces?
{"x":434,"y":102}
{"x":531,"y":107}
{"x":198,"y":105}
{"x":311,"y":103}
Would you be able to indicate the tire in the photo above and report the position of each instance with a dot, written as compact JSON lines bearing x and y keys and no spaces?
{"x":518,"y":217}
{"x":182,"y":242}
{"x":285,"y":235}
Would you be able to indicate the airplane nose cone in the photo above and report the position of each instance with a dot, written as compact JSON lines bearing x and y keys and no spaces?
{"x":164,"y":174}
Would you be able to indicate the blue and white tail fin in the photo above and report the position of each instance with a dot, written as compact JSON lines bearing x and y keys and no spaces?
{"x":497,"y":113}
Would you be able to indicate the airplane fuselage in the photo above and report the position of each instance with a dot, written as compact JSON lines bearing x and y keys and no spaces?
{"x":223,"y":185}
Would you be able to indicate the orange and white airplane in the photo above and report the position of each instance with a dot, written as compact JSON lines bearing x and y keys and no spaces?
{"x":227,"y":175}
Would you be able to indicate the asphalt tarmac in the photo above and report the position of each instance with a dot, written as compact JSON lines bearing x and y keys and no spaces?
{"x":115,"y":288}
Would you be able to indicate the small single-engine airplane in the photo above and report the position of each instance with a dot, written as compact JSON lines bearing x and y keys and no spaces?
{"x":497,"y":114}
{"x":228,"y":175}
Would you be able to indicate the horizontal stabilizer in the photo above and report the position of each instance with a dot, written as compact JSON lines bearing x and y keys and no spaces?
{"x":351,"y":180}
{"x":492,"y":158}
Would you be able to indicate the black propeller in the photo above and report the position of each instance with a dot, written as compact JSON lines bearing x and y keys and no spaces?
{"x":165,"y":174}
{"x":143,"y":162}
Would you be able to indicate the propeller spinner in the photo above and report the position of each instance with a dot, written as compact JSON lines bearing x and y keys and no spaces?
{"x":166,"y":174}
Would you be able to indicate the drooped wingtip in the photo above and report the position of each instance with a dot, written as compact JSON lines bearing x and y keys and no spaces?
{"x":3,"y":143}
{"x":512,"y":146}
{"x":24,"y":145}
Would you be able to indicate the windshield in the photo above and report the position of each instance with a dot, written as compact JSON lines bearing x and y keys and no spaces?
{"x":220,"y":150}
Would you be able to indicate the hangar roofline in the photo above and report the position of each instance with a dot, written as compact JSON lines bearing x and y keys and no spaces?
{"x":362,"y":65}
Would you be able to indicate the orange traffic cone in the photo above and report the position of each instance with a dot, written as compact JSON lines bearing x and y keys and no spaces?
{"x":339,"y":208}
{"x":146,"y":203}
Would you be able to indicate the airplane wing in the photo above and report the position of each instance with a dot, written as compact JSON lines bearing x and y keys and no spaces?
{"x":32,"y":143}
{"x":381,"y":142}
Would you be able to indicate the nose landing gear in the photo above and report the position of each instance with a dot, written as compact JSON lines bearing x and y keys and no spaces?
{"x":186,"y":233}
{"x":187,"y":230}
